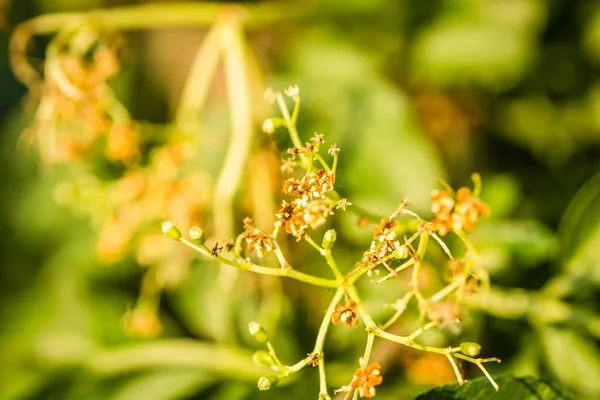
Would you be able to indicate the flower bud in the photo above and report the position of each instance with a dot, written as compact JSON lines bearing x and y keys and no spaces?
{"x":293,"y":92}
{"x":258,"y":332}
{"x":171,"y":230}
{"x":262,"y":358}
{"x":329,"y":239}
{"x":401,"y":252}
{"x":470,"y":349}
{"x":267,"y":382}
{"x":197,"y":235}
{"x":268,"y":126}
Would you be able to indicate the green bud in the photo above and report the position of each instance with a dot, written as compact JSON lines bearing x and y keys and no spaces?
{"x":197,"y":235}
{"x":171,"y":230}
{"x":329,"y":239}
{"x":401,"y":252}
{"x":267,"y":382}
{"x":470,"y":349}
{"x":258,"y":332}
{"x":262,"y":358}
{"x":268,"y":126}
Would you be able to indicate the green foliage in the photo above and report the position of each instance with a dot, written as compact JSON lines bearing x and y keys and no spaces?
{"x":522,"y":388}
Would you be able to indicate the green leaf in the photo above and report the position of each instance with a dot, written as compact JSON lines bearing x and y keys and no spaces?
{"x":579,"y":232}
{"x":574,"y":360}
{"x":511,"y":388}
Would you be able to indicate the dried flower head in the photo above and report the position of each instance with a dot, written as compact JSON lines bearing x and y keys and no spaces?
{"x":461,"y":213}
{"x":345,"y":314}
{"x":365,"y":379}
{"x":255,"y":238}
{"x":333,"y":150}
{"x":291,"y":217}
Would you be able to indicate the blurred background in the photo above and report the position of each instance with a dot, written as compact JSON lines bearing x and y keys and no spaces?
{"x":121,"y":120}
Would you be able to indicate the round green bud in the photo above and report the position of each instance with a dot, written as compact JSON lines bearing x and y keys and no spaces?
{"x":329,"y":239}
{"x":267,"y":382}
{"x":197,"y":235}
{"x":470,"y":349}
{"x":400,"y":252}
{"x":268,"y":126}
{"x":262,"y":358}
{"x":258,"y":332}
{"x":171,"y":230}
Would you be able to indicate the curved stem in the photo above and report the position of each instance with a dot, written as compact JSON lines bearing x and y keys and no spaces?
{"x":248,"y":266}
{"x":320,"y":342}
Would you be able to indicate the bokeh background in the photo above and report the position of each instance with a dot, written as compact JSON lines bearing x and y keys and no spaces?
{"x":96,"y":304}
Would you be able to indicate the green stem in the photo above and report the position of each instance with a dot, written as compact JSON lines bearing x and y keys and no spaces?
{"x":368,"y":347}
{"x":334,"y":267}
{"x":276,"y":359}
{"x":199,"y":78}
{"x":291,"y":127}
{"x":248,"y":266}
{"x":320,"y":342}
{"x":233,"y":44}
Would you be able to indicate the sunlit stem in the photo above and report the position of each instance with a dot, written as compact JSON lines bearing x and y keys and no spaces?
{"x":443,"y":245}
{"x":322,"y":162}
{"x":249,"y":266}
{"x":201,"y":74}
{"x":488,"y":376}
{"x":456,"y":370}
{"x":446,"y":291}
{"x":321,"y":340}
{"x":335,"y":162}
{"x":273,"y":355}
{"x":400,"y":308}
{"x":395,"y":272}
{"x":280,"y":257}
{"x":419,"y":331}
{"x":299,"y":365}
{"x":368,"y":347}
{"x":291,"y":127}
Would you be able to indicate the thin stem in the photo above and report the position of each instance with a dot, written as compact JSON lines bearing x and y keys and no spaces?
{"x":334,"y":267}
{"x":335,"y":162}
{"x":280,"y":257}
{"x":249,"y":266}
{"x":419,"y":331}
{"x":443,"y":245}
{"x":488,"y":376}
{"x":322,"y":162}
{"x":368,"y":347}
{"x":320,"y":342}
{"x":273,"y":355}
{"x":291,"y":127}
{"x":233,"y":44}
{"x":199,"y":78}
{"x":446,"y":291}
{"x":457,"y":372}
{"x":395,"y":272}
{"x":400,"y":308}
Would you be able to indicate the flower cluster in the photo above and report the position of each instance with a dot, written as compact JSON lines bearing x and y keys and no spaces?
{"x":461,"y":213}
{"x":255,"y":238}
{"x":311,"y":207}
{"x":384,"y":245}
{"x":365,"y":379}
{"x":345,"y":314}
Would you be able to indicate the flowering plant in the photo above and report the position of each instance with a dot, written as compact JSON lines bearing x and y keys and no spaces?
{"x":312,"y":199}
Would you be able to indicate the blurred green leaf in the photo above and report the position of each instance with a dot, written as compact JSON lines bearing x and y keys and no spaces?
{"x":164,"y":385}
{"x":511,"y":388}
{"x":574,"y":359}
{"x":579,"y":233}
{"x":529,"y":242}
